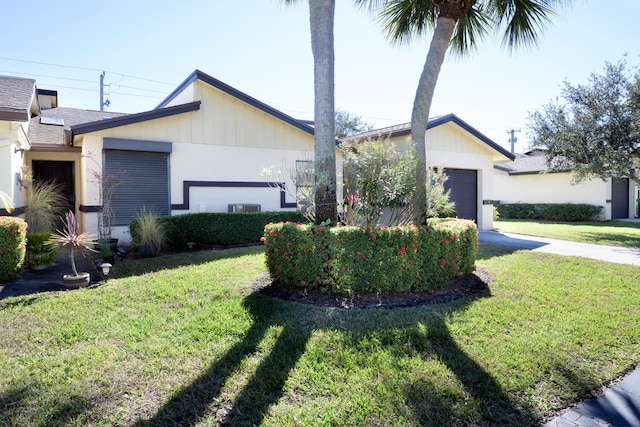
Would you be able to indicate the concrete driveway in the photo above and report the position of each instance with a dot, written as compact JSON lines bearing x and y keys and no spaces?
{"x":561,"y":247}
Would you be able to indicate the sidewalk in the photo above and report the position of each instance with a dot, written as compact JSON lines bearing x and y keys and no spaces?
{"x":620,"y":404}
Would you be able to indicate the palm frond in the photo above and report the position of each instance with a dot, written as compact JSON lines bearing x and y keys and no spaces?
{"x":470,"y":29}
{"x":524,"y":20}
{"x":403,"y":19}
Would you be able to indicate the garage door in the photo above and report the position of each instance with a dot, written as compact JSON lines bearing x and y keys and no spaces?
{"x":464,"y":191}
{"x":619,"y":198}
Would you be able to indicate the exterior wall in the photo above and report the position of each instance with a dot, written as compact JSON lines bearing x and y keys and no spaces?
{"x":450,"y":146}
{"x":226,"y":140}
{"x":12,"y":138}
{"x":184,"y":97}
{"x":552,"y":188}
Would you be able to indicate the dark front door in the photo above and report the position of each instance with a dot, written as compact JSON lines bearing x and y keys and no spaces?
{"x":463,"y":184}
{"x":619,"y":198}
{"x":59,"y":172}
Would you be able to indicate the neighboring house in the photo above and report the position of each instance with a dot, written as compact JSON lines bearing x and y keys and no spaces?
{"x":468,"y":157}
{"x":528,"y":179}
{"x":32,"y":130}
{"x":18,"y":103}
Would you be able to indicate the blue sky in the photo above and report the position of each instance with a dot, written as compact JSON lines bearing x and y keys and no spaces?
{"x":262,"y":47}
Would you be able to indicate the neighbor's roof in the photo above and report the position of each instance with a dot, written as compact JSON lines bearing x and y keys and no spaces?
{"x":405,"y":129}
{"x":17,"y":96}
{"x":530,"y":163}
{"x":199,"y":75}
{"x":49,"y":128}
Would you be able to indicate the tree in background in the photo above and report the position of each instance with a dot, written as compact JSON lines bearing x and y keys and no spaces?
{"x":348,"y":124}
{"x":461,"y":24}
{"x":593,"y":129}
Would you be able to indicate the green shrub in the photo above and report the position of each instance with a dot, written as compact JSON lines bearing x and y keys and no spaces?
{"x":38,"y":251}
{"x":13,"y":244}
{"x":216,"y":228}
{"x":382,"y":259}
{"x":566,"y":212}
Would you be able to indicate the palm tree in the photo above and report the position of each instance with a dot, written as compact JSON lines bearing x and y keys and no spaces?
{"x":321,"y":17}
{"x":460,"y":24}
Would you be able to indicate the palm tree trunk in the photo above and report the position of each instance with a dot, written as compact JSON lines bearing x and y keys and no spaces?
{"x":422,"y":106}
{"x":321,"y":13}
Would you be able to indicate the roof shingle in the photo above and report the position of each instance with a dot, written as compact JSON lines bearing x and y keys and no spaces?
{"x":41,"y":133}
{"x":16,"y":96}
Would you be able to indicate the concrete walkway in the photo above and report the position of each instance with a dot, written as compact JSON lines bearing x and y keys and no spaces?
{"x":620,"y":404}
{"x":562,"y":247}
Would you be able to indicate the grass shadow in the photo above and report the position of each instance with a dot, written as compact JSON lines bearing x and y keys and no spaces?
{"x":266,"y":386}
{"x":488,"y":398}
{"x":202,"y":397}
{"x":11,"y":404}
{"x":486,"y":251}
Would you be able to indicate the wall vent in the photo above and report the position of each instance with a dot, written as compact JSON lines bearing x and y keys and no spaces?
{"x":244,"y":208}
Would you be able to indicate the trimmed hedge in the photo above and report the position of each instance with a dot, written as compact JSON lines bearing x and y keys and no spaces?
{"x":383,"y":259}
{"x":13,"y":246}
{"x":566,"y":212}
{"x":217,"y":228}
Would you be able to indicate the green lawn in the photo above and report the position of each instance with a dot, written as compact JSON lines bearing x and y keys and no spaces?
{"x":613,"y":233}
{"x":183,"y":340}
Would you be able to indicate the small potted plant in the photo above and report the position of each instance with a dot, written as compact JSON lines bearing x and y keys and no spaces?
{"x":69,"y":236}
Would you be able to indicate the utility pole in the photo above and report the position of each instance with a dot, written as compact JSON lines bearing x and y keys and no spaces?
{"x":102,"y":91}
{"x":513,"y":139}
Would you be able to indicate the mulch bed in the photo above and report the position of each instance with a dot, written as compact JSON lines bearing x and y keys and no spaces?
{"x":476,"y":283}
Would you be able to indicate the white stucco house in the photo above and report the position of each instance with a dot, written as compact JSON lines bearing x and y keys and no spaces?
{"x":528,"y":179}
{"x":203,"y":148}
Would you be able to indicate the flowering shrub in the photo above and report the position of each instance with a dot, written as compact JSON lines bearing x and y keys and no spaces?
{"x":13,"y":245}
{"x":381,"y":259}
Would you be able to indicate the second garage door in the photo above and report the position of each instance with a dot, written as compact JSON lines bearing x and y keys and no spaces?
{"x":463,"y":184}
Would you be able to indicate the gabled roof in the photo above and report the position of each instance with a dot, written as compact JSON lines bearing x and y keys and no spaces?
{"x":405,"y":129}
{"x":128,"y":119}
{"x":203,"y":77}
{"x":17,"y":97}
{"x":49,"y":127}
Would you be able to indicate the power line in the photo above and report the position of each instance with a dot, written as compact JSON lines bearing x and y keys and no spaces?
{"x":119,"y":93}
{"x":85,"y":69}
{"x":50,"y":77}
